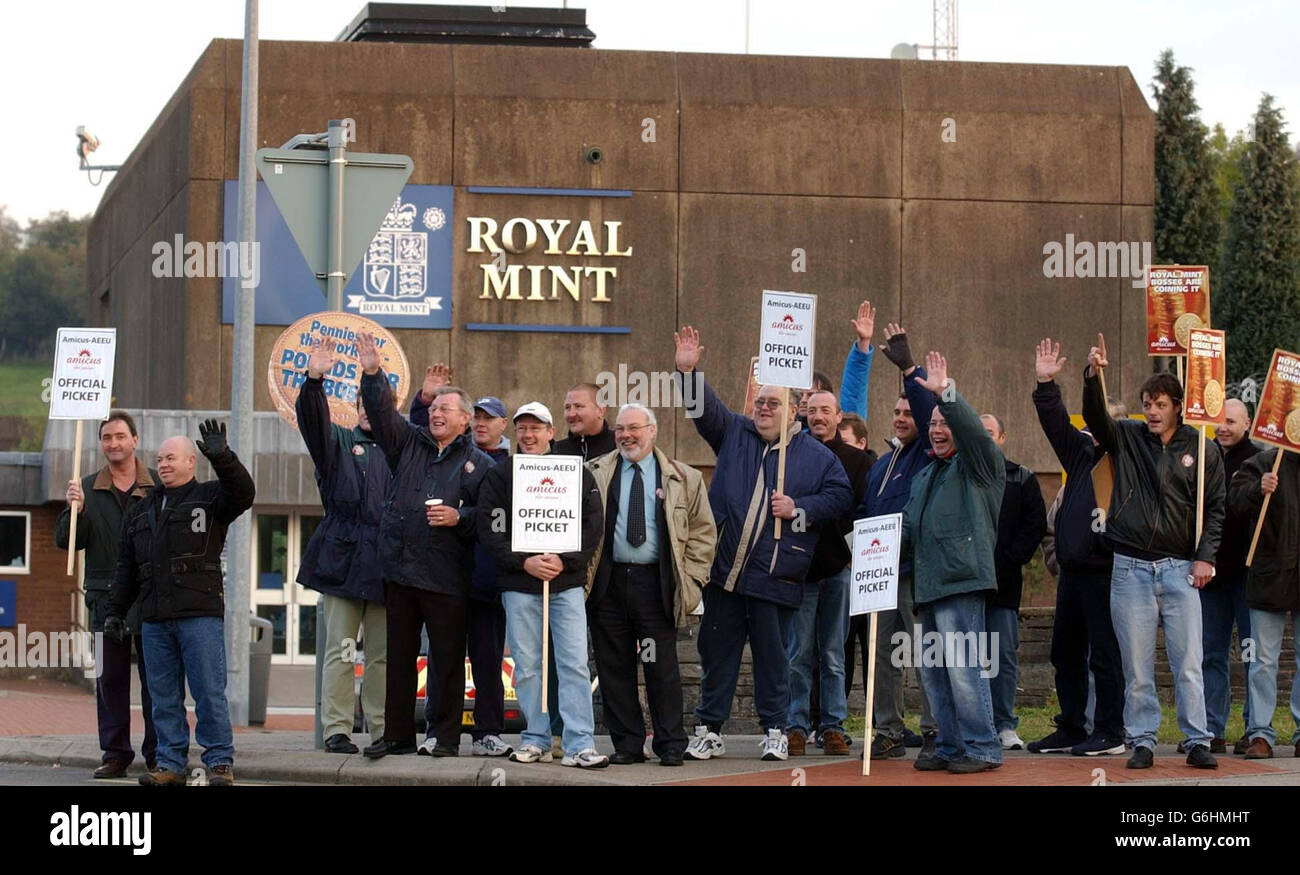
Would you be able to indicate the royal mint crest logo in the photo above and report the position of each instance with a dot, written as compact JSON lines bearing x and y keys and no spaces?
{"x":396,"y":267}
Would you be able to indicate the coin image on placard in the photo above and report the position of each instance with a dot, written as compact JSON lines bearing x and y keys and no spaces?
{"x":1293,"y":426}
{"x":1183,"y":326}
{"x":1213,"y":396}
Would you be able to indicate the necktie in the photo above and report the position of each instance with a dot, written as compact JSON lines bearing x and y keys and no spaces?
{"x":636,"y":512}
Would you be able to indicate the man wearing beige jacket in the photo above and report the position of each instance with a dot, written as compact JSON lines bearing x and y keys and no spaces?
{"x":646,"y":576}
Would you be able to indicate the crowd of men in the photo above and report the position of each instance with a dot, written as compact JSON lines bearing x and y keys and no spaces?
{"x":416,"y":538}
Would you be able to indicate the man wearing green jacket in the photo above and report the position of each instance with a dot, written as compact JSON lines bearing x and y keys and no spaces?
{"x":950,"y":526}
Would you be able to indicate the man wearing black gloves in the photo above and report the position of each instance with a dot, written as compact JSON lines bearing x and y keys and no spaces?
{"x":170,"y":556}
{"x":1159,"y":561}
{"x":426,"y":545}
{"x":889,"y":484}
{"x":113,"y":491}
{"x":1083,"y":636}
{"x":341,"y":560}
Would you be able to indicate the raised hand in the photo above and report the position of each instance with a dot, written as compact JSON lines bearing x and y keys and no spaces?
{"x":936,"y":373}
{"x":864,"y":325}
{"x":1049,"y":360}
{"x":687,"y":342}
{"x":895,"y":347}
{"x":435,"y":378}
{"x":322,"y":359}
{"x":368,"y":353}
{"x":1097,"y":356}
{"x":213,"y":434}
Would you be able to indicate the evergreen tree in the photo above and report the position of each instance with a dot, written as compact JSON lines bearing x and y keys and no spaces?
{"x":1256,"y":291}
{"x":1186,"y":202}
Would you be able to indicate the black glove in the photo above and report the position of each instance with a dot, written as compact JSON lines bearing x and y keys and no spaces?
{"x":115,"y":628}
{"x":897,"y":351}
{"x":214,"y":438}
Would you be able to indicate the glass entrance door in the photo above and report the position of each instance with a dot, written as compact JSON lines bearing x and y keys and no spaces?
{"x":279,"y":539}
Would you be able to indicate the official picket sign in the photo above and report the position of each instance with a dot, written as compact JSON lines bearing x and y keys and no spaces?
{"x":786,"y":339}
{"x":877,"y":547}
{"x":83,"y":373}
{"x":547,"y":501}
{"x":287,"y":367}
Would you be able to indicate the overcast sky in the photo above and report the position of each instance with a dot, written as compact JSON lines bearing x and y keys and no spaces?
{"x":113,"y":65}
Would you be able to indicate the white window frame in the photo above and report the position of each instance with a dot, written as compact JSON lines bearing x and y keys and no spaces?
{"x":27,"y":550}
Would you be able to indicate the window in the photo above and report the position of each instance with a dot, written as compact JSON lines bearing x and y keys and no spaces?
{"x":15,"y":542}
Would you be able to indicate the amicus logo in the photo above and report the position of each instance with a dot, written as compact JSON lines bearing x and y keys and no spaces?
{"x":83,"y":358}
{"x":875,"y":548}
{"x":546,"y":487}
{"x":787,"y":323}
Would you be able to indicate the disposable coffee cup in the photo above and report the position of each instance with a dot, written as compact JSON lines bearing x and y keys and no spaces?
{"x":433,"y":502}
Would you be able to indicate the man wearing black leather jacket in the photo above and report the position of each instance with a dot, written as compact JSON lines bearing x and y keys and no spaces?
{"x":1160,"y":563}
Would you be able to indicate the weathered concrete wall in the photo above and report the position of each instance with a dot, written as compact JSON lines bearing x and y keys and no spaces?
{"x":753,"y":158}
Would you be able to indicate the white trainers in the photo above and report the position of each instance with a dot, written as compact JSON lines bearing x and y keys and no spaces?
{"x":426,"y":747}
{"x":491,"y":746}
{"x":1011,"y":741}
{"x":531,"y":753}
{"x":586,"y":759}
{"x":705,"y":745}
{"x":774,"y":746}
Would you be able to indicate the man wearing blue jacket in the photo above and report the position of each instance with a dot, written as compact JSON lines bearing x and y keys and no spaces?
{"x":1083,"y":636}
{"x":889,"y":484}
{"x":341,"y":560}
{"x":756,"y":581}
{"x":950,"y":527}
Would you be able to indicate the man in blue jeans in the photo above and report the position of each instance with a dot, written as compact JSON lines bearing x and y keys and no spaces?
{"x":1223,"y":600}
{"x":520,"y":577}
{"x":950,"y":525}
{"x":815,"y":641}
{"x":170,"y":555}
{"x":1160,"y":563}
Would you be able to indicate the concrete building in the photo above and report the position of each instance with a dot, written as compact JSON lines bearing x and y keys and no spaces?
{"x":933,"y":189}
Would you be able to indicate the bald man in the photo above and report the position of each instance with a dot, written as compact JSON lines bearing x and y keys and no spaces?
{"x":170,"y":556}
{"x":1223,"y":600}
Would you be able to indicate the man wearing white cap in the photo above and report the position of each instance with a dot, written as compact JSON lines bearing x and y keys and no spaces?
{"x":520,"y":577}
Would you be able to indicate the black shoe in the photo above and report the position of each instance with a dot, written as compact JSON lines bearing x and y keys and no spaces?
{"x":1096,"y":746}
{"x":930,"y":764}
{"x":1143,"y":758}
{"x":113,"y":769}
{"x":1199,"y":757}
{"x":929,"y":741}
{"x":969,"y":765}
{"x":340,"y":743}
{"x":626,"y":758}
{"x":911,"y":739}
{"x":1182,"y":746}
{"x":883,"y":747}
{"x":383,"y":747}
{"x":673,"y":758}
{"x":1060,"y":741}
{"x":445,"y":750}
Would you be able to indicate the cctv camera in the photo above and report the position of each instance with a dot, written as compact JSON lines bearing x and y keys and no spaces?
{"x":86,"y":143}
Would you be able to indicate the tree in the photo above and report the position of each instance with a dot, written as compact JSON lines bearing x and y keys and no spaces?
{"x":42,"y":281}
{"x":1226,"y":154}
{"x":1256,"y":294}
{"x":1186,"y":205}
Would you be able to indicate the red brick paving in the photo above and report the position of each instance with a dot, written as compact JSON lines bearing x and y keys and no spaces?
{"x":43,"y":707}
{"x":1018,"y":771}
